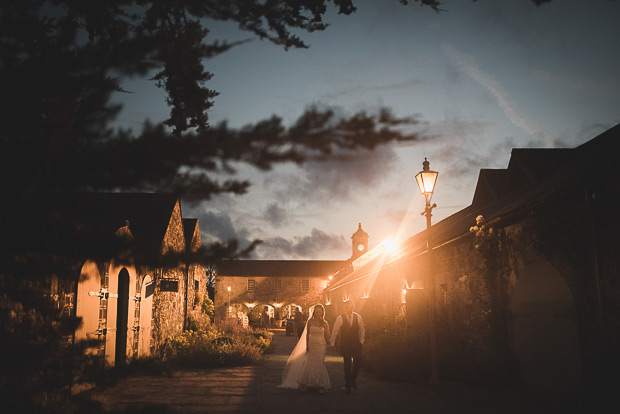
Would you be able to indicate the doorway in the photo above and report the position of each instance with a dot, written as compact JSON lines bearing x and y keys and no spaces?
{"x":122,"y":312}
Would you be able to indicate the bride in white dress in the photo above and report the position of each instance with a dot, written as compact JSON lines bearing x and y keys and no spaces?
{"x":305,"y":367}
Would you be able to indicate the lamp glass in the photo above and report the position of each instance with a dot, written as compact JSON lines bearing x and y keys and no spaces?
{"x":426,"y":183}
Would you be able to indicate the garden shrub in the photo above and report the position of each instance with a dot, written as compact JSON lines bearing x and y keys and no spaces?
{"x":201,"y":323}
{"x":208,"y":308}
{"x":254,"y":317}
{"x":225,"y":344}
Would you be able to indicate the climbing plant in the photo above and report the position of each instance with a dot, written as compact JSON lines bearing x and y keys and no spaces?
{"x":495,"y":249}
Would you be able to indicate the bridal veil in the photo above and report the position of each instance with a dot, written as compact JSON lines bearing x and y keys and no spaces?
{"x":293,"y":369}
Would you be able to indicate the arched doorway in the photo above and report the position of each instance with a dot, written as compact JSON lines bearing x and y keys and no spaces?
{"x":288,"y":310}
{"x":122,"y":313}
{"x":258,"y":309}
{"x":545,"y":329}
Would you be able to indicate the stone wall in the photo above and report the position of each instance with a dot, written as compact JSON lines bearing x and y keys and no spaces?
{"x":174,"y":239}
{"x":197,"y":276}
{"x":265,"y":292}
{"x":169,"y":306}
{"x":398,"y":296}
{"x":197,"y":273}
{"x":379,"y":297}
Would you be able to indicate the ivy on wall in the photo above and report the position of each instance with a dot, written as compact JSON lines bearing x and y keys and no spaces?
{"x":496,"y":252}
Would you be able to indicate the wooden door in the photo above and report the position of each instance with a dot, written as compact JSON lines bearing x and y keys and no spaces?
{"x":146,"y":316}
{"x":122,"y":317}
{"x":121,"y":310}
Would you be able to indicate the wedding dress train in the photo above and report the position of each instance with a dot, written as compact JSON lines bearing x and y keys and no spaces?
{"x":307,"y":368}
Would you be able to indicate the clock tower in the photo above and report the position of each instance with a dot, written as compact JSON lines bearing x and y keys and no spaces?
{"x":360,"y":242}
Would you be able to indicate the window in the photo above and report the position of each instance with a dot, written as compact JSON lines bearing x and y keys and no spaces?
{"x":251,"y":285}
{"x":149,"y":289}
{"x":305,"y":285}
{"x":277,"y":284}
{"x":196,"y":285}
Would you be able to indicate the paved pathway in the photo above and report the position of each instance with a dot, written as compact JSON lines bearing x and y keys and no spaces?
{"x":254,"y":390}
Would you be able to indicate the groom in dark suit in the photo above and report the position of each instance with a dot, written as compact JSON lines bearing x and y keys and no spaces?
{"x":350,"y":327}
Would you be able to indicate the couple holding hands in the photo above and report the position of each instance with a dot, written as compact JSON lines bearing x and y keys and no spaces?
{"x":305,"y":367}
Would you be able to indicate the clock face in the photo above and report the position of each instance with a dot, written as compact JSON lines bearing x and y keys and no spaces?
{"x":360,"y":247}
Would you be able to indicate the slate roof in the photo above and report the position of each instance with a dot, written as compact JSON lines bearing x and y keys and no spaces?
{"x":490,"y":185}
{"x":531,"y":174}
{"x":279,"y":268}
{"x":147,"y":214}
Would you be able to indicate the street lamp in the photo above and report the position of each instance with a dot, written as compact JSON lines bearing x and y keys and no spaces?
{"x":229,"y":306}
{"x":426,"y":180}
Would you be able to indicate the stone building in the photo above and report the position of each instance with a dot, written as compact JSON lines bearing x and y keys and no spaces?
{"x":196,"y":286}
{"x":535,"y":293}
{"x":281,"y":285}
{"x":133,"y":300}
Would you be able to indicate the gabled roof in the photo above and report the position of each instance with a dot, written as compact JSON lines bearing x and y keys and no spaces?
{"x":528,"y":166}
{"x":607,"y":141}
{"x":490,"y":185}
{"x":148,"y":214}
{"x":542,"y":172}
{"x":279,"y":268}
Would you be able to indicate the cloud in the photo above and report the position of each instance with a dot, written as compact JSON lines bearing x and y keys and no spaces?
{"x":458,"y":160}
{"x":340,"y":178}
{"x":457,"y":128}
{"x":275,"y":215}
{"x":218,"y":226}
{"x":460,"y":148}
{"x":469,"y":65}
{"x":309,"y":246}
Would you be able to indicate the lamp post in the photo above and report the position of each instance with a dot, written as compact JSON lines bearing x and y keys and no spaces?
{"x":229,"y":306}
{"x":426,"y":180}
